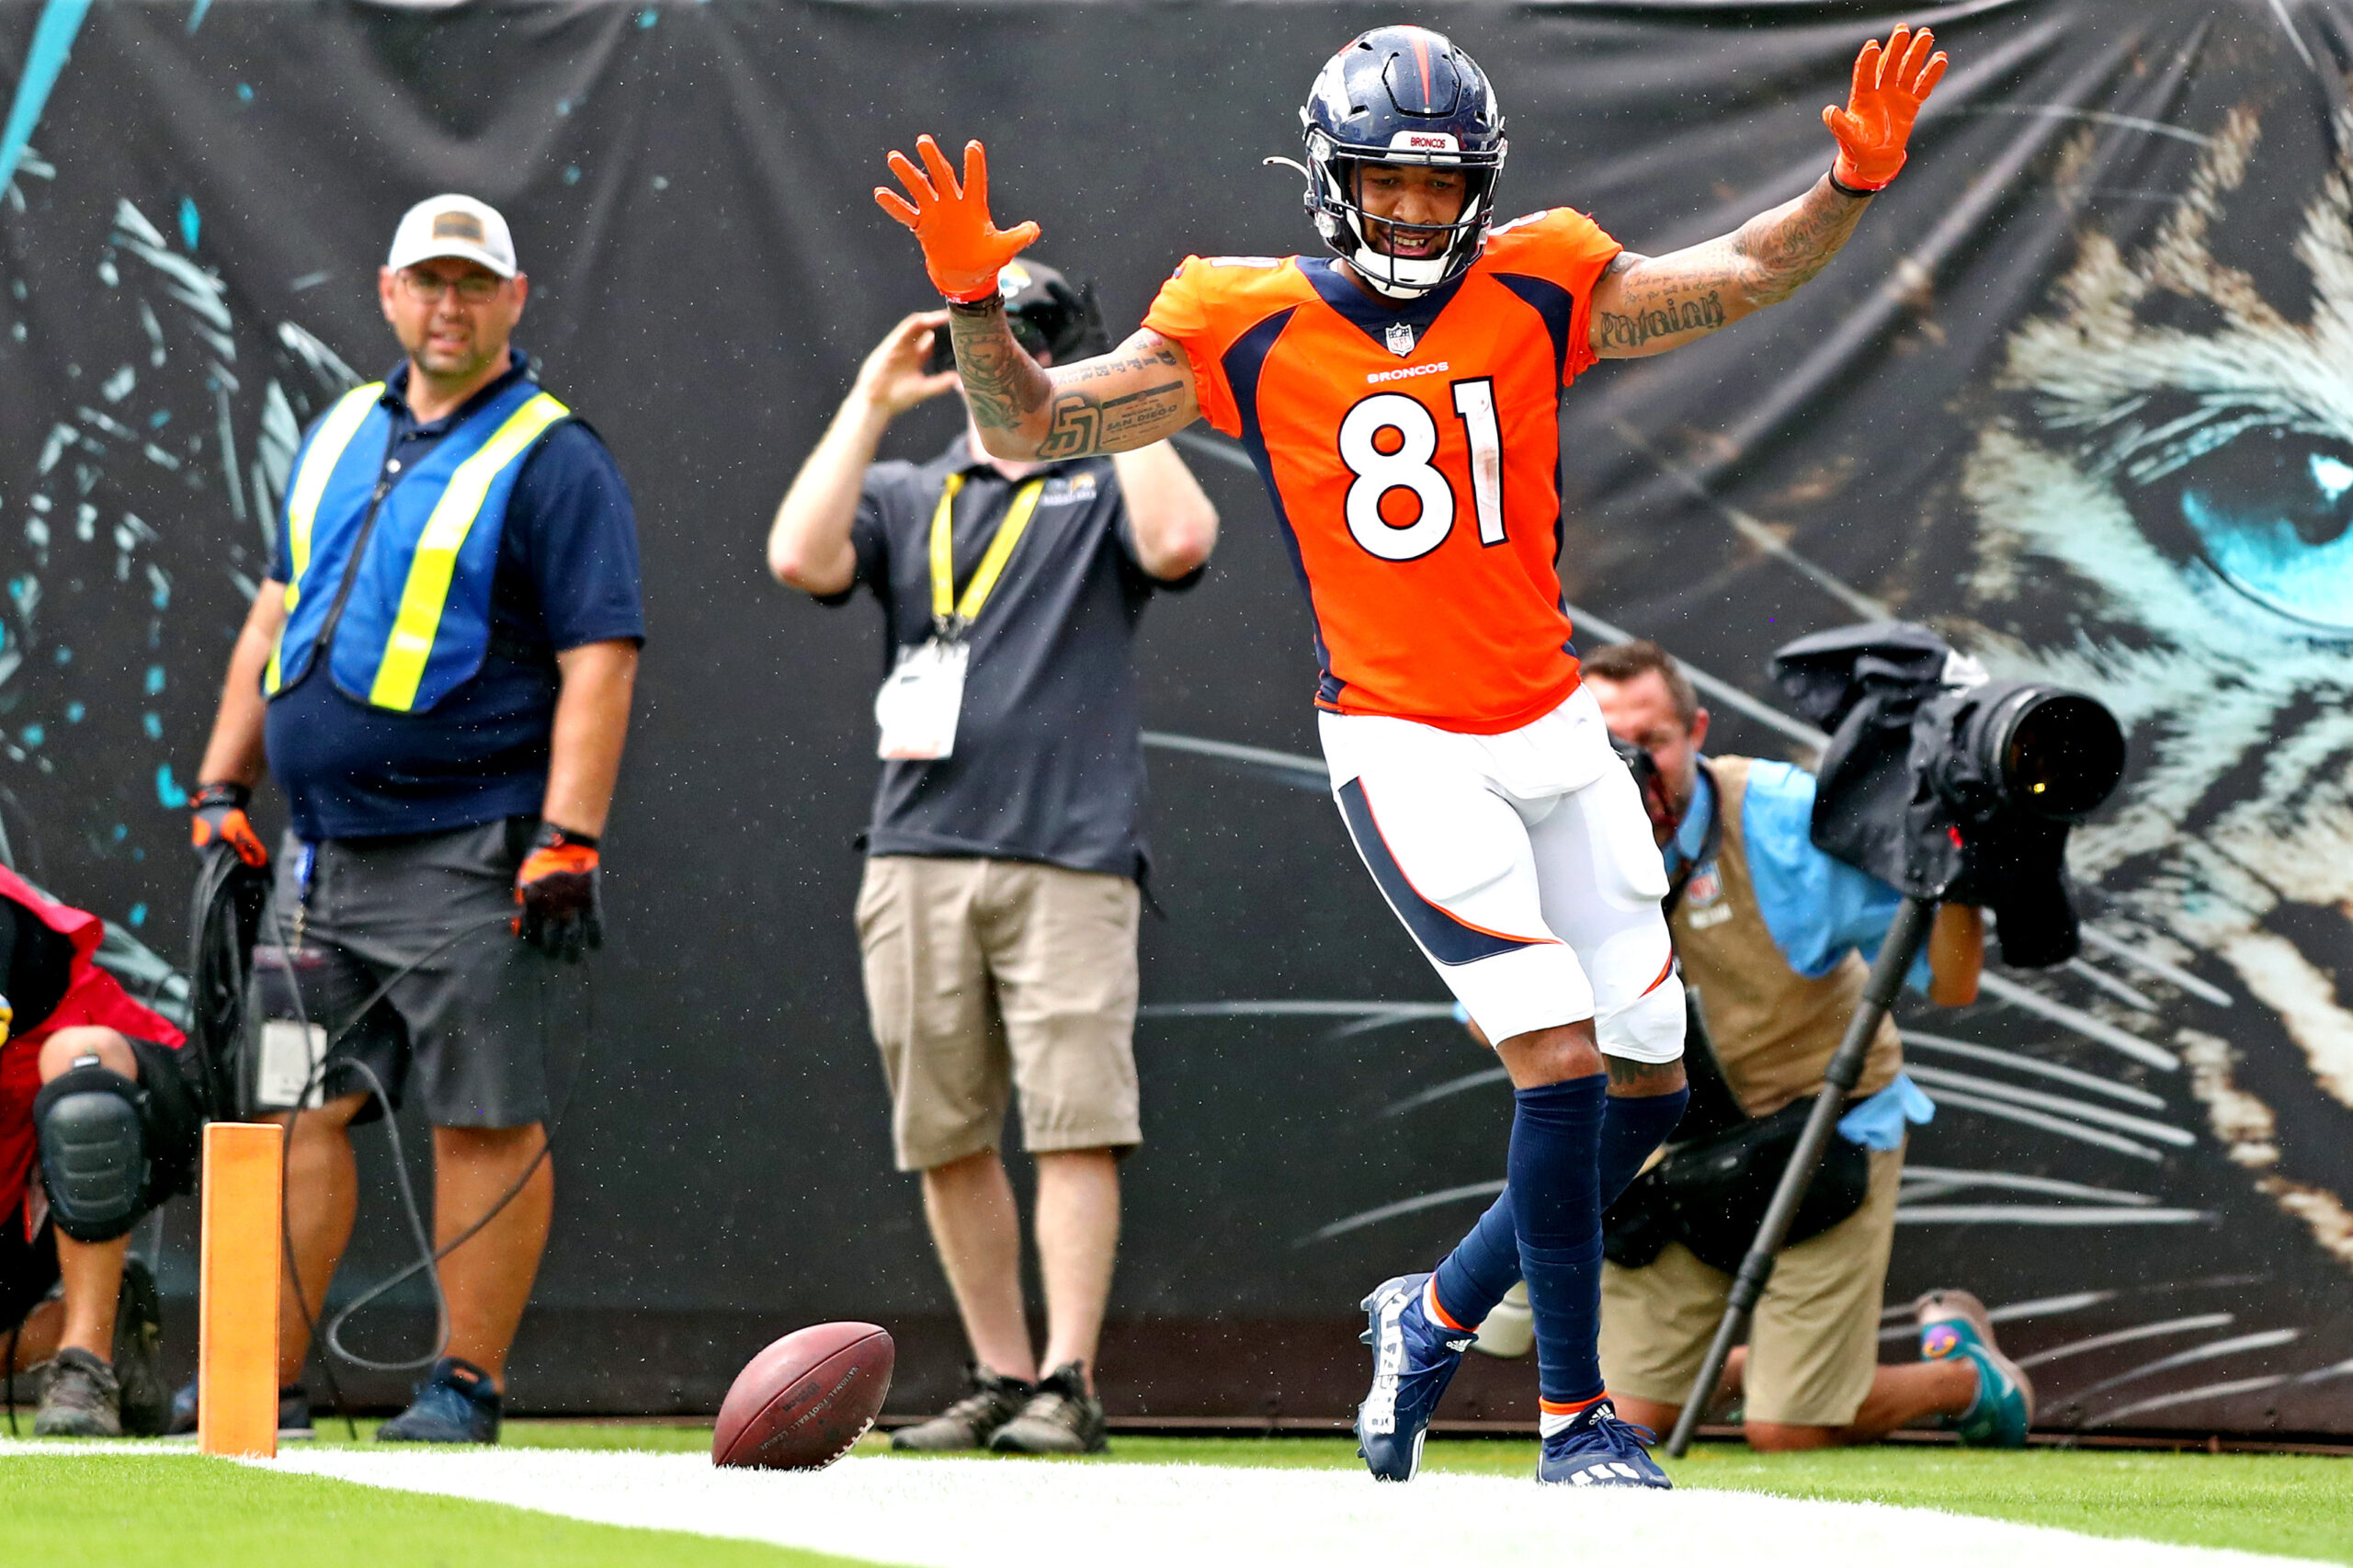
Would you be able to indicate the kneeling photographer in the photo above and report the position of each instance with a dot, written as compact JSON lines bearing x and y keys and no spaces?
{"x":98,"y":1093}
{"x":1774,"y":938}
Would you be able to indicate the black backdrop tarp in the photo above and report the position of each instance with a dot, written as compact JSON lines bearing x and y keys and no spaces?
{"x":2077,"y":393}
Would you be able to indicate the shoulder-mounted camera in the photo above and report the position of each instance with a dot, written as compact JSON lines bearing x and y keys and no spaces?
{"x":1947,"y":785}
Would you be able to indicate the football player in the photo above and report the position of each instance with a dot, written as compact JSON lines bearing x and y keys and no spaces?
{"x":1398,"y":396}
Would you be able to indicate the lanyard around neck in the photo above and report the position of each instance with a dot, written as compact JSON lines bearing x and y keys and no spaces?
{"x":950,"y":614}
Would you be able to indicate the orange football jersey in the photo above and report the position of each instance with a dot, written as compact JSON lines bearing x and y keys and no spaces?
{"x":1412,"y":454}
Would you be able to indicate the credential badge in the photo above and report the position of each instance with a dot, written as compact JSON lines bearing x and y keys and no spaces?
{"x":1401,"y":338}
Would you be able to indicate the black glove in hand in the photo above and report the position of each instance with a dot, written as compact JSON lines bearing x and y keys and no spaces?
{"x":556,"y":886}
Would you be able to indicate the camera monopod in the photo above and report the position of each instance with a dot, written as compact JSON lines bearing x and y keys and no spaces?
{"x":1902,"y":944}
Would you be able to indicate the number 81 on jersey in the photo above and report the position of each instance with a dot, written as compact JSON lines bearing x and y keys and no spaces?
{"x":1409,"y":467}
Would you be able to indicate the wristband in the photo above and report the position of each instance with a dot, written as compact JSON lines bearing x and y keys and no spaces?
{"x":978,"y":305}
{"x":1860,"y":193}
{"x":235,"y":796}
{"x":550,"y":837}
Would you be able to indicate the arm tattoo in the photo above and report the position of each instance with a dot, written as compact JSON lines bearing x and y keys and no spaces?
{"x":1007,"y":389}
{"x":1668,"y":316}
{"x":1085,"y":424}
{"x":1001,"y":382}
{"x":1693,"y":291}
{"x":1788,"y":246}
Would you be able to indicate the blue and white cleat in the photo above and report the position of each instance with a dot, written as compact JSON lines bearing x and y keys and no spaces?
{"x":1954,"y":1326}
{"x":1412,"y":1360}
{"x":1598,"y":1449}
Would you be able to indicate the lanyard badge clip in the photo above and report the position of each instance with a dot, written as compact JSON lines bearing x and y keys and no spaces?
{"x":922,"y":697}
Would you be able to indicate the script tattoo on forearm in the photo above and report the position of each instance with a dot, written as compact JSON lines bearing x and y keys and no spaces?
{"x":1668,"y":299}
{"x":1670,"y":316}
{"x":1001,"y":382}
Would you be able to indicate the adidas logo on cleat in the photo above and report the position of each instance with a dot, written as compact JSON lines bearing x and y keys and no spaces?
{"x":1593,"y":1476}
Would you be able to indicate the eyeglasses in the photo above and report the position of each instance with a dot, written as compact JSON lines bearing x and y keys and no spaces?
{"x":428,"y":288}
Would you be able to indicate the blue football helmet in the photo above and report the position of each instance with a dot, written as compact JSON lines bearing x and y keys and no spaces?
{"x":1402,"y":94}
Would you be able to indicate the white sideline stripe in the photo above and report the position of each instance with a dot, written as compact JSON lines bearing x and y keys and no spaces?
{"x":993,"y":1514}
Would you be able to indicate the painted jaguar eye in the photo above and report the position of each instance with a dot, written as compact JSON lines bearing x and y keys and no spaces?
{"x":2272,"y":513}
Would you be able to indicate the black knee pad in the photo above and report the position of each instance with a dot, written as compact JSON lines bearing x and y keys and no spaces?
{"x":92,"y":1126}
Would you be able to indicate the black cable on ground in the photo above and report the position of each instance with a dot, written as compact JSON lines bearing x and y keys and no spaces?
{"x":220,"y":980}
{"x":429,"y":1255}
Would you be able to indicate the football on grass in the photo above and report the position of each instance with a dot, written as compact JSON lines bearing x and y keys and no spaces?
{"x":804,"y":1401}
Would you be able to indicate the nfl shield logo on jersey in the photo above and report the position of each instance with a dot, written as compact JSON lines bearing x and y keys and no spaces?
{"x":1401,"y":338}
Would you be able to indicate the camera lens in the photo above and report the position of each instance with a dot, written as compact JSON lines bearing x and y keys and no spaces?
{"x":2058,"y":754}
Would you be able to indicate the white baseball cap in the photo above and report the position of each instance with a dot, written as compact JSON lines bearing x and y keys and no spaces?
{"x":453,"y":225}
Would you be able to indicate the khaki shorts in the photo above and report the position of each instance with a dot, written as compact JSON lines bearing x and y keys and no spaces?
{"x":1814,"y":1343}
{"x":983,"y":976}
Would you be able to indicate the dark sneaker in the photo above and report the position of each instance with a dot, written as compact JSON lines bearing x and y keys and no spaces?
{"x":146,"y":1399}
{"x":972,"y":1420}
{"x":1061,"y":1418}
{"x":293,"y":1412}
{"x":79,"y":1398}
{"x":1598,"y":1449}
{"x":1954,"y":1323}
{"x":1412,"y":1360}
{"x":455,"y":1403}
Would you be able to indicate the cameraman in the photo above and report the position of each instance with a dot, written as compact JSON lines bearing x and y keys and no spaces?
{"x":1773,"y":934}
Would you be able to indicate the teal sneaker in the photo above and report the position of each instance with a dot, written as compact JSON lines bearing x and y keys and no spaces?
{"x":1955,"y":1324}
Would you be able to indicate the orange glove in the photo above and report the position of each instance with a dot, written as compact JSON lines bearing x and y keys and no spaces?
{"x":217,"y":816}
{"x":1889,"y":86}
{"x":962,"y":249}
{"x":556,"y":889}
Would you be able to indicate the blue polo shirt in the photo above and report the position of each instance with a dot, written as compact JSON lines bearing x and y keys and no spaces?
{"x":1817,"y":909}
{"x":567,"y":575}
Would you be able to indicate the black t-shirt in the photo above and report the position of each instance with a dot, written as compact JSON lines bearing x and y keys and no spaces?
{"x":1048,"y":763}
{"x":567,"y":575}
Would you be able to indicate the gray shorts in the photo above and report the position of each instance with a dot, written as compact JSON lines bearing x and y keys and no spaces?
{"x":473,"y":1022}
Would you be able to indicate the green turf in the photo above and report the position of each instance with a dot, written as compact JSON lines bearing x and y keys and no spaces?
{"x":184,"y":1511}
{"x":2287,"y":1504}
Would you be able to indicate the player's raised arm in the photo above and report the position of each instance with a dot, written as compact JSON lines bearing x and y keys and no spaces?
{"x":1647,"y":304}
{"x":1140,"y":392}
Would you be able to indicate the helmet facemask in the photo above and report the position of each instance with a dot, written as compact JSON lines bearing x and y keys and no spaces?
{"x":1402,"y":96}
{"x":1333,"y":201}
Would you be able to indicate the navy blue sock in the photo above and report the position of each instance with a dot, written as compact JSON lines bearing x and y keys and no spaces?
{"x":1486,"y":1263}
{"x":1482,"y":1265}
{"x":1556,"y":1200}
{"x":1632,"y":1127}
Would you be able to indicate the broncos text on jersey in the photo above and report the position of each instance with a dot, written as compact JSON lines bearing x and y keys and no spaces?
{"x":1412,"y":454}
